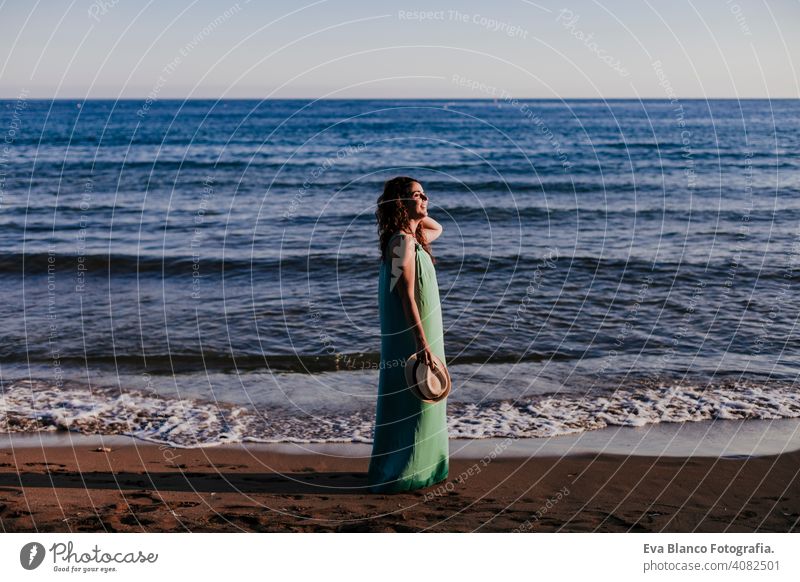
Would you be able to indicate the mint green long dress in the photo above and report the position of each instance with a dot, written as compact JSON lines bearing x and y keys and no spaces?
{"x":410,"y":443}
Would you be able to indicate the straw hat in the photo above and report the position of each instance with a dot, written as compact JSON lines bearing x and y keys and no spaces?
{"x":427,"y":384}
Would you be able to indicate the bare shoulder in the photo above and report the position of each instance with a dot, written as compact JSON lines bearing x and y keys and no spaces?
{"x":401,"y":247}
{"x":401,"y":239}
{"x":401,"y":259}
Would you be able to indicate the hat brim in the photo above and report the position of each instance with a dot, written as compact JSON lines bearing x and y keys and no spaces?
{"x":419,"y":388}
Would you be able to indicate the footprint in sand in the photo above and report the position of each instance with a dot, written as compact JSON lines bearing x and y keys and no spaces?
{"x":135,"y":521}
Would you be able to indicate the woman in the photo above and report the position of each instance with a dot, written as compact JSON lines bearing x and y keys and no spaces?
{"x":410,"y":445}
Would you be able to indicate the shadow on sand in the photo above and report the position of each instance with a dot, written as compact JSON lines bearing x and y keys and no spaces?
{"x":328,"y":483}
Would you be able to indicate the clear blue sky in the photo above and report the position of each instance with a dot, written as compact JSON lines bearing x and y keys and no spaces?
{"x":347,"y":49}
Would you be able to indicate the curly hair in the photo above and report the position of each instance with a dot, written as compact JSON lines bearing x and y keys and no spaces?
{"x":392,"y":215}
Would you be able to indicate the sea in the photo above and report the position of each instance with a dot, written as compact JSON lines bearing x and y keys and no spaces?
{"x":199,"y":272}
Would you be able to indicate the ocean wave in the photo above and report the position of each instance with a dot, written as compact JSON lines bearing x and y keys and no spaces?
{"x":32,"y":405}
{"x":332,"y":265}
{"x":214,"y":361}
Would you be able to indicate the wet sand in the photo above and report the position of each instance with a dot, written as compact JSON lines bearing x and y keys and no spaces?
{"x":142,"y":487}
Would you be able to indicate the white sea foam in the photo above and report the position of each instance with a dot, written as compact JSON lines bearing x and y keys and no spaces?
{"x":28,"y":406}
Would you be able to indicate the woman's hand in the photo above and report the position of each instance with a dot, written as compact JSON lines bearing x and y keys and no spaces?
{"x":433,"y":229}
{"x":425,"y":355}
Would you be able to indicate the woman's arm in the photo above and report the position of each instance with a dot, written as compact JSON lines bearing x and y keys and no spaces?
{"x":432,"y":229}
{"x":405,"y":254}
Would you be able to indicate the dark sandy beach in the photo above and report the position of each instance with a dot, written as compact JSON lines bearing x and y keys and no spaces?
{"x":141,"y":487}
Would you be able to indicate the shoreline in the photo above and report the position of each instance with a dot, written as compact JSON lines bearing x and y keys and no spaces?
{"x":67,"y":483}
{"x":708,"y":438}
